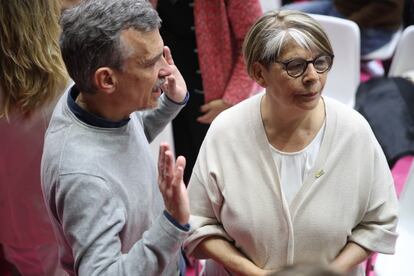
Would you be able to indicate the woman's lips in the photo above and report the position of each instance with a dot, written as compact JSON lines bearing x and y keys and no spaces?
{"x":308,"y":96}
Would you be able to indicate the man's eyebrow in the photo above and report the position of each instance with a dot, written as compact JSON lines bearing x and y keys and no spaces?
{"x":154,"y":59}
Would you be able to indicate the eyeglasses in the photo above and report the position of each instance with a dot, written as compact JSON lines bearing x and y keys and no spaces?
{"x":296,"y":67}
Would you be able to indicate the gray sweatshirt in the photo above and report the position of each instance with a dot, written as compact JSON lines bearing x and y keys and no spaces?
{"x":100,"y":186}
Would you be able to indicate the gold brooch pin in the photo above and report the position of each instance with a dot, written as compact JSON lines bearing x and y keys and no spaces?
{"x":319,"y":173}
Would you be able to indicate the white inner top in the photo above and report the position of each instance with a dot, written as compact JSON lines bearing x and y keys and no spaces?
{"x":293,"y":167}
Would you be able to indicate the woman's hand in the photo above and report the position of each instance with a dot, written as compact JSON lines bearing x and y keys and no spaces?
{"x":255,"y":272}
{"x":223,"y":252}
{"x":351,"y":255}
{"x":211,"y":110}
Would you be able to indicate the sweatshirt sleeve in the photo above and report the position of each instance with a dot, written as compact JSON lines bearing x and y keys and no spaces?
{"x":83,"y":201}
{"x":155,"y":120}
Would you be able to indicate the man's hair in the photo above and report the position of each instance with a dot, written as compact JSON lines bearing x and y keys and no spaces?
{"x":91,"y":35}
{"x":32,"y":71}
{"x":269,"y":36}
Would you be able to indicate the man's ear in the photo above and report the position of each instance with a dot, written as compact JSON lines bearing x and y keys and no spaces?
{"x":258,"y":69}
{"x":105,"y":80}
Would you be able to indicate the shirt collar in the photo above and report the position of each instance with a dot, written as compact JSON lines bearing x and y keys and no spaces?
{"x":88,"y":117}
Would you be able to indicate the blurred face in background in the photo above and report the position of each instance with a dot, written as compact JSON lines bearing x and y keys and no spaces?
{"x":66,"y":4}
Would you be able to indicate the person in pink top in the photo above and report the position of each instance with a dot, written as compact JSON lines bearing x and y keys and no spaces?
{"x":32,"y":75}
{"x":206,"y":39}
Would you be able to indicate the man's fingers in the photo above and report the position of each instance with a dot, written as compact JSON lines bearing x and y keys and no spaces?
{"x":161,"y":160}
{"x":162,"y":165}
{"x":179,"y":174}
{"x":171,"y":84}
{"x":168,"y":170}
{"x":170,"y":174}
{"x":181,"y":162}
{"x":168,"y":56}
{"x":178,"y":179}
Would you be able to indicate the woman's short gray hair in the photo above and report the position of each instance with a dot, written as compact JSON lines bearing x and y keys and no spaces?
{"x":267,"y":38}
{"x":91,"y":35}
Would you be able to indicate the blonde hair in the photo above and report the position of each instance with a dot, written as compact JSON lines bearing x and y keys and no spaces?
{"x":269,"y":36}
{"x":32,"y":70}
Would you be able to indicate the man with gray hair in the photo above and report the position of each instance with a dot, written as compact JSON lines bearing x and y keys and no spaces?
{"x":98,"y":175}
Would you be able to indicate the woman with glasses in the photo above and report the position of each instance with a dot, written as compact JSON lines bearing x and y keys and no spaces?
{"x":290,"y":176}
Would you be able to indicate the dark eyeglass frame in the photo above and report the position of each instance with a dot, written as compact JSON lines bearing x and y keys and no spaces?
{"x":286,"y":63}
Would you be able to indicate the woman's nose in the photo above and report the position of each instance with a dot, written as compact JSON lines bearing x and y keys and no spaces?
{"x":310,"y":73}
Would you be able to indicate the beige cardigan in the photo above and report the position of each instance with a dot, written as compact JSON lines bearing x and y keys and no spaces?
{"x":235,"y":192}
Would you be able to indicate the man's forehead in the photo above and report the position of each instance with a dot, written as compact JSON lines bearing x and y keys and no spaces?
{"x":145,"y":45}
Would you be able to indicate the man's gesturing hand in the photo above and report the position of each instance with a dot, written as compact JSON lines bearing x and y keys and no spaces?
{"x":171,"y":184}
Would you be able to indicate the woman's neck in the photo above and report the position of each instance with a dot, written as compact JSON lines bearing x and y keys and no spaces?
{"x":288,"y":130}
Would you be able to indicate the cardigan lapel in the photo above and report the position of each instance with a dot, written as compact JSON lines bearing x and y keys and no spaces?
{"x":263,"y":143}
{"x":270,"y":169}
{"x":317,"y":172}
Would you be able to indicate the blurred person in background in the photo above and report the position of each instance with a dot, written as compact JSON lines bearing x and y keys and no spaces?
{"x":206,"y":40}
{"x":32,"y":76}
{"x":67,"y":4}
{"x":377,"y":20}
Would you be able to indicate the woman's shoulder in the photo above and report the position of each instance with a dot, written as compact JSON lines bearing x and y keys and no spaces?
{"x":239,"y":114}
{"x":346,"y":117}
